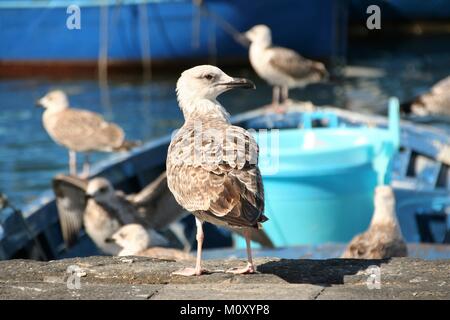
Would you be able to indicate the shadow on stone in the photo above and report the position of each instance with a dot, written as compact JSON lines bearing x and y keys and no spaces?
{"x":320,"y":272}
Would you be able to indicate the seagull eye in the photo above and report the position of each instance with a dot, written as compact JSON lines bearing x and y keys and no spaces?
{"x":209,"y":77}
{"x":103,"y":189}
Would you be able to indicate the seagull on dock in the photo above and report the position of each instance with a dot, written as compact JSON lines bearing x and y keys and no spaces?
{"x":212,"y":166}
{"x":135,"y":240}
{"x":384,"y":238}
{"x":436,"y":102}
{"x":282,"y":68}
{"x":80,"y":130}
{"x":103,"y":210}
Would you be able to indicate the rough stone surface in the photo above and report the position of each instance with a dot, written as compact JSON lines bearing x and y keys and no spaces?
{"x":143,"y":278}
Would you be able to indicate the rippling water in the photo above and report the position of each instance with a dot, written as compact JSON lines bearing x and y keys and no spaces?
{"x":29,"y":159}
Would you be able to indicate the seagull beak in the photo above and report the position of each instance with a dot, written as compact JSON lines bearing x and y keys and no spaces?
{"x":248,"y":35}
{"x":243,"y":39}
{"x":38,"y":104}
{"x":239,"y":83}
{"x":110,"y":240}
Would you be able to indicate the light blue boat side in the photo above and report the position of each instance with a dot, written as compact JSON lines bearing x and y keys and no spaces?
{"x":319,"y":182}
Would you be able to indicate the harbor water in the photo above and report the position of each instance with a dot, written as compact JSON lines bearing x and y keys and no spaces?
{"x":148,"y":109}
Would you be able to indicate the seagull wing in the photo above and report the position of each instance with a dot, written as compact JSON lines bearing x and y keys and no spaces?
{"x":70,"y":195}
{"x":291,"y":63}
{"x":226,"y":183}
{"x":83,"y":130}
{"x":156,"y":204}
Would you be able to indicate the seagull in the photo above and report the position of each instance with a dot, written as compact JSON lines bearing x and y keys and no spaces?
{"x":281,"y":67}
{"x":102,"y":210}
{"x":135,"y":240}
{"x":384,"y":238}
{"x":434,"y":102}
{"x":212,"y":166}
{"x":80,"y":130}
{"x":95,"y":204}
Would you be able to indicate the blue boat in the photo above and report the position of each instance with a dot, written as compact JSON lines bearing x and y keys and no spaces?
{"x":322,"y":180}
{"x":420,"y":176}
{"x":132,"y":31}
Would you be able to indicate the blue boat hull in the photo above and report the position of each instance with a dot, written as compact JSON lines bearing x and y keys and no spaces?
{"x":34,"y":32}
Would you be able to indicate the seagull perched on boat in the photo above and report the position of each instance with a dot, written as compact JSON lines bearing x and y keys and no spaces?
{"x":212,"y":166}
{"x":102,"y":210}
{"x":281,"y":67}
{"x":434,"y":102}
{"x":384,"y":238}
{"x":80,"y":130}
{"x":135,"y":240}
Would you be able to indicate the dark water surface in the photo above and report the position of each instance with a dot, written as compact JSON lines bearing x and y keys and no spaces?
{"x":146,"y":110}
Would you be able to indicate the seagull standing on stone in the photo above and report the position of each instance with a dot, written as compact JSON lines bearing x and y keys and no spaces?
{"x":212,"y":166}
{"x":384,"y":238}
{"x":102,"y":210}
{"x":135,"y":240}
{"x":281,"y":67}
{"x":80,"y":130}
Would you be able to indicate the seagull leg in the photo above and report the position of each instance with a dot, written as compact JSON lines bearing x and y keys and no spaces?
{"x":250,"y":268}
{"x":276,"y":106}
{"x":275,"y":96}
{"x":72,"y":163}
{"x":285,"y":96}
{"x":187,"y":272}
{"x":86,"y":167}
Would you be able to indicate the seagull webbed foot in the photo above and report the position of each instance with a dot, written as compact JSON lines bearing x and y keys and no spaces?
{"x":249,"y":269}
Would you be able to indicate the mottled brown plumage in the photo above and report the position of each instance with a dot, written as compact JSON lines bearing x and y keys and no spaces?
{"x":383,"y":239}
{"x":226,"y":191}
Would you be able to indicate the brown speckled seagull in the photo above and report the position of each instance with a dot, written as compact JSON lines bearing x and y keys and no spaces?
{"x":281,"y":67}
{"x":79,"y":130}
{"x":103,"y":210}
{"x":384,"y":238}
{"x":212,"y":166}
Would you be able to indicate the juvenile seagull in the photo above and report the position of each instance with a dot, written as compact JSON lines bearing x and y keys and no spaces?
{"x":135,"y":240}
{"x":211,"y":165}
{"x":384,"y":238}
{"x":281,"y":67}
{"x":79,"y":130}
{"x":103,"y":210}
{"x":434,"y":102}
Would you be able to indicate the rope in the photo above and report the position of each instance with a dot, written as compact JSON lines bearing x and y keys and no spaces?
{"x":223,"y":24}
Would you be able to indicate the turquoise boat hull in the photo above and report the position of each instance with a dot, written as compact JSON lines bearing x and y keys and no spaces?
{"x":319,"y":182}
